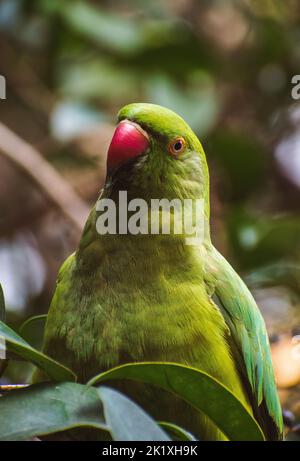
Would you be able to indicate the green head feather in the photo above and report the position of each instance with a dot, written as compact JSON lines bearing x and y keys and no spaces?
{"x":158,"y":173}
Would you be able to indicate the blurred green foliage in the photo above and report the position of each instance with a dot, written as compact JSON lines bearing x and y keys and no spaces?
{"x":225,"y":66}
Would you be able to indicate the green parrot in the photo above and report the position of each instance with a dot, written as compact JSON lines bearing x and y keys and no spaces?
{"x":124,"y":297}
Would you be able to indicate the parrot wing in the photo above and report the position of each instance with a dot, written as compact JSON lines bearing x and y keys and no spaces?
{"x":249,"y":340}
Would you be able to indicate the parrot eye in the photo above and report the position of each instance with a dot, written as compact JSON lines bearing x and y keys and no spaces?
{"x":177,"y":146}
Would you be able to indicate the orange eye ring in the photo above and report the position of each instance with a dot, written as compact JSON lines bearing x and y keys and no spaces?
{"x":177,"y":146}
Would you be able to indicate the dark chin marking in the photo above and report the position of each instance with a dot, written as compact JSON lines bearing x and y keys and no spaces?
{"x":127,"y":170}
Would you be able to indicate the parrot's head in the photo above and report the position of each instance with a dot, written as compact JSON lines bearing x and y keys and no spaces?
{"x":155,"y":153}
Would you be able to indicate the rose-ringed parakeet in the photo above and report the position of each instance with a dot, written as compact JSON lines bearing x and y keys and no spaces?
{"x":125,"y":298}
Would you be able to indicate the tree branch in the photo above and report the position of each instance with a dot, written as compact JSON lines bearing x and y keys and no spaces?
{"x":12,"y":387}
{"x":51,"y":182}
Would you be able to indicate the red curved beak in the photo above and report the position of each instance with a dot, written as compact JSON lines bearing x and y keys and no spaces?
{"x":128,"y":142}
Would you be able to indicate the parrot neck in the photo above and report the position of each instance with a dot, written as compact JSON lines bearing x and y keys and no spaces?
{"x":141,"y":193}
{"x":125,"y":210}
{"x":134,"y":220}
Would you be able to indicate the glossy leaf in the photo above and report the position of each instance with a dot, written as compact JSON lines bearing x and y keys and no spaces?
{"x":177,"y":432}
{"x":197,"y":388}
{"x":32,"y":330}
{"x":19,"y":346}
{"x":126,"y":420}
{"x":48,"y":408}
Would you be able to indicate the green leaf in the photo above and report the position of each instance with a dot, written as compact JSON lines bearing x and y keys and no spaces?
{"x":32,"y":330}
{"x":259,"y":240}
{"x":127,"y":421}
{"x":18,"y":345}
{"x":103,"y":80}
{"x":198,"y":106}
{"x":2,"y":305}
{"x":283,"y":273}
{"x":242,"y":159}
{"x":197,"y":388}
{"x":177,"y":432}
{"x":119,"y":34}
{"x":48,"y":408}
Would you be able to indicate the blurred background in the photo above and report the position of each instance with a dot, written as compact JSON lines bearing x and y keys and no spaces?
{"x":225,"y":66}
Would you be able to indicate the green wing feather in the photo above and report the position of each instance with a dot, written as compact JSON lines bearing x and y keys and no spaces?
{"x":250,"y":341}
